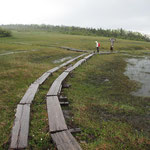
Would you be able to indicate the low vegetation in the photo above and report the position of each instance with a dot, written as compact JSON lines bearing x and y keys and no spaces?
{"x":110,"y":118}
{"x":102,"y":106}
{"x":118,"y":33}
{"x":5,"y":33}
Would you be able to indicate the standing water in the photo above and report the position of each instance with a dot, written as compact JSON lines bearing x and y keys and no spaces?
{"x":139,"y":70}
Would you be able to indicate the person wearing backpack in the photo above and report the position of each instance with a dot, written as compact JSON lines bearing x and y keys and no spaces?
{"x":97,"y":46}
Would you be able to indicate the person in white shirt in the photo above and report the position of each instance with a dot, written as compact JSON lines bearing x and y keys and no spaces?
{"x":97,"y":46}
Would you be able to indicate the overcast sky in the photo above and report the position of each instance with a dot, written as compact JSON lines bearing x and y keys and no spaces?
{"x":108,"y":14}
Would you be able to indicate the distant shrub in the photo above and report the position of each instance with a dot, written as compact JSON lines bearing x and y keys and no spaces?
{"x":118,"y":33}
{"x":5,"y":33}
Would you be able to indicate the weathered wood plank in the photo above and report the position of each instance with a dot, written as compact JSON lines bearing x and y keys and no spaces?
{"x":30,"y":94}
{"x":64,"y":64}
{"x":64,"y":103}
{"x":20,"y":130}
{"x":55,"y":115}
{"x":70,"y":69}
{"x":53,"y":70}
{"x":79,"y":63}
{"x":41,"y":79}
{"x":75,"y":130}
{"x":70,"y":61}
{"x":24,"y":128}
{"x":65,"y":141}
{"x":63,"y":98}
{"x":87,"y":57}
{"x":62,"y":77}
{"x":55,"y":89}
{"x":57,"y":84}
{"x":73,"y":49}
{"x":16,"y":127}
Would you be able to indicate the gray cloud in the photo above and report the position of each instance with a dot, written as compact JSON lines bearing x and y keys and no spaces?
{"x":127,"y":14}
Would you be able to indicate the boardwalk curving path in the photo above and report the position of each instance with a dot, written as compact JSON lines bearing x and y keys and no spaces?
{"x":20,"y":130}
{"x":58,"y":129}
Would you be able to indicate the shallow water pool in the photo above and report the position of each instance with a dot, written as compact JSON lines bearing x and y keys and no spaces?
{"x":138,"y":69}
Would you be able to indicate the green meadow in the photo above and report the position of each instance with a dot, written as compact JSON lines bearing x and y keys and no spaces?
{"x":100,"y":101}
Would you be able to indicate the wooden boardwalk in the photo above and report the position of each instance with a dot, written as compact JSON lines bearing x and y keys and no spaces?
{"x":73,"y":49}
{"x":57,"y":126}
{"x":58,"y":129}
{"x":20,"y":130}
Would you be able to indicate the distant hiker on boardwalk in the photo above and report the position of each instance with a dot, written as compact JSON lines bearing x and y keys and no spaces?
{"x":97,"y":46}
{"x":112,"y":44}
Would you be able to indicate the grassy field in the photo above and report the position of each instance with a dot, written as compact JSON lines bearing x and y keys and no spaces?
{"x":110,"y":118}
{"x":102,"y":106}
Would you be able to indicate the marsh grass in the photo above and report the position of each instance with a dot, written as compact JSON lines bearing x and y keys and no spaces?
{"x":102,"y":106}
{"x":19,"y":70}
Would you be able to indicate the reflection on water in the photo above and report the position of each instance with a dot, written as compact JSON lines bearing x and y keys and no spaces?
{"x":139,"y":70}
{"x":61,"y":60}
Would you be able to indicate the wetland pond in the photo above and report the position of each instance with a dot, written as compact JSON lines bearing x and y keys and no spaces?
{"x":138,"y":69}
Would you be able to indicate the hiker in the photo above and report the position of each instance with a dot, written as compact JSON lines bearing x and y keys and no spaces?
{"x":111,"y":48}
{"x":97,"y":46}
{"x":112,"y":44}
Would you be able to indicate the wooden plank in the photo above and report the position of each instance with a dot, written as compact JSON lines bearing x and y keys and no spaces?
{"x":64,"y":103}
{"x":75,"y":130}
{"x":55,"y":115}
{"x":65,"y":141}
{"x":20,"y":130}
{"x":87,"y":57}
{"x":41,"y":79}
{"x":16,"y":127}
{"x":62,"y":98}
{"x":64,"y":64}
{"x":24,"y":128}
{"x":57,"y":84}
{"x":55,"y":89}
{"x":70,"y":69}
{"x":30,"y":94}
{"x":62,"y":76}
{"x":79,"y":63}
{"x":53,"y":70}
{"x":81,"y":55}
{"x":73,"y":49}
{"x":70,"y":61}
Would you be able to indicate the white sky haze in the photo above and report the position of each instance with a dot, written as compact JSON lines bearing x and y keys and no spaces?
{"x":108,"y":14}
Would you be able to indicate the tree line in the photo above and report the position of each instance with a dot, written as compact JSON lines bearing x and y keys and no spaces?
{"x":117,"y":33}
{"x":5,"y":33}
